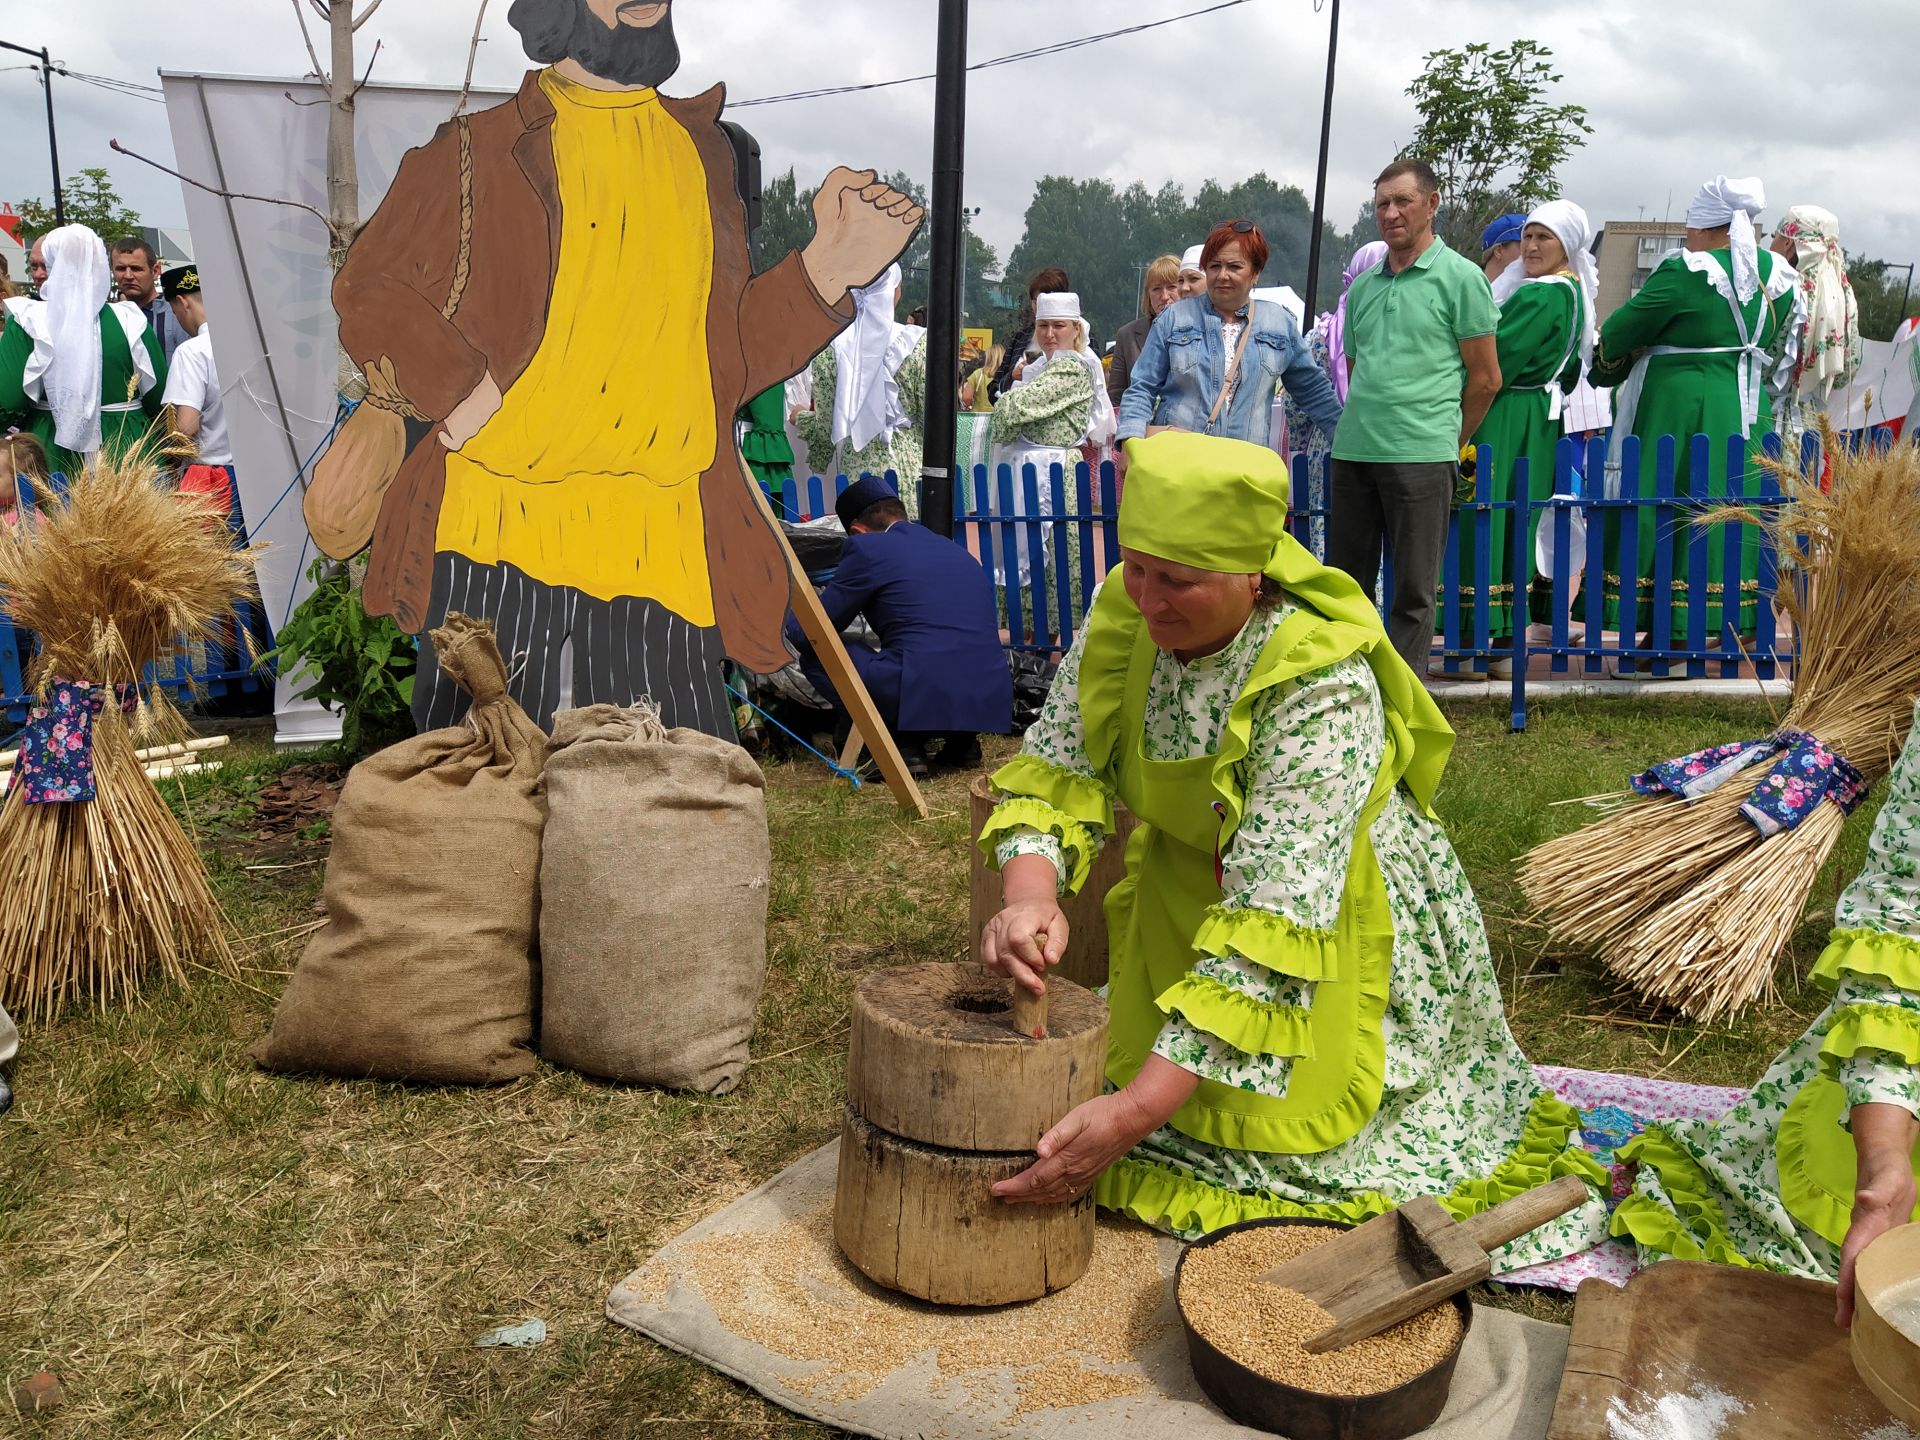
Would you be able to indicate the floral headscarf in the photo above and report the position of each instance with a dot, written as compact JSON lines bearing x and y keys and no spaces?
{"x":1830,"y":349}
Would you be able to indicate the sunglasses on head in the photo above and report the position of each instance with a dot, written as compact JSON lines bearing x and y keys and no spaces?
{"x":1242,"y":227}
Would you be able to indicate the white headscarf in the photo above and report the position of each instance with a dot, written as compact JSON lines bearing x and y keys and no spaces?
{"x":1191,"y":260}
{"x":867,"y":357}
{"x":1065,"y":305}
{"x":78,"y":286}
{"x":1574,"y":231}
{"x":1735,"y":203}
{"x":1830,"y":350}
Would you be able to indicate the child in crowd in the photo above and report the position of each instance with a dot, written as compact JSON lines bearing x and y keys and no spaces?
{"x":24,"y":478}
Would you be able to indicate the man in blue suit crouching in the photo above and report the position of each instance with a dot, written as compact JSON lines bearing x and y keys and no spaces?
{"x":940,"y":672}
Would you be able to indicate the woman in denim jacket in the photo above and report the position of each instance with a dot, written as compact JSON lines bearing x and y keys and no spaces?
{"x":1190,"y":350}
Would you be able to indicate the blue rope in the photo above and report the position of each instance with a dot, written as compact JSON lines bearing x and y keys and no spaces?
{"x":849,"y":776}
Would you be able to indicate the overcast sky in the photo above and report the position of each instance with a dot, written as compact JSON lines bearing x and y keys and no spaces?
{"x":1676,"y":91}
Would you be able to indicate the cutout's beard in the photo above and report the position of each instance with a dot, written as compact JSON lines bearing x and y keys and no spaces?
{"x":625,"y":54}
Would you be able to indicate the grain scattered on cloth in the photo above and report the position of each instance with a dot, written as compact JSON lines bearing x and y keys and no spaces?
{"x":760,"y":1292}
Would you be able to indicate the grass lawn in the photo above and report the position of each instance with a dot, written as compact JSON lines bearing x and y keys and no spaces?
{"x":201,"y":1249}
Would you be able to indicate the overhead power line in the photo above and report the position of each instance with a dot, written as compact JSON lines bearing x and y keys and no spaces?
{"x":1040,"y":52}
{"x":138,"y":91}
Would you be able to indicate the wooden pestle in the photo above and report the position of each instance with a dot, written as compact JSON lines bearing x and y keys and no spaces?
{"x":1029,"y":1009}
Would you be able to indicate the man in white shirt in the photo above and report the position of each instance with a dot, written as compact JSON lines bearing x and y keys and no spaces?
{"x":193,"y":390}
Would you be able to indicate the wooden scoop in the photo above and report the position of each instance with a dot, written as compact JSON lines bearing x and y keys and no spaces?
{"x":1412,"y":1258}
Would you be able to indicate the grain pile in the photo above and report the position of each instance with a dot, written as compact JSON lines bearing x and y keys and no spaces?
{"x":1263,"y":1326}
{"x":790,"y":1291}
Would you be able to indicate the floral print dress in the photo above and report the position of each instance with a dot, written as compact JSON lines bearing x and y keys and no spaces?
{"x":1712,"y":1189}
{"x":1462,"y":1113}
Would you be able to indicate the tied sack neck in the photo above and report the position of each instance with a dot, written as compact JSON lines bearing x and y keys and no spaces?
{"x":469,"y":655}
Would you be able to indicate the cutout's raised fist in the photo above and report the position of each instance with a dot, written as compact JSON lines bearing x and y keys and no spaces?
{"x":861,"y":226}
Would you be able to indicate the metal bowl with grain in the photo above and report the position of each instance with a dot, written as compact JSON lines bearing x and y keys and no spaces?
{"x":1401,"y":1409}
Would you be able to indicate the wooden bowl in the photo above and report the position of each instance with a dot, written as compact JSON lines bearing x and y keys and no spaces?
{"x":1252,"y":1399}
{"x":1885,"y":1278}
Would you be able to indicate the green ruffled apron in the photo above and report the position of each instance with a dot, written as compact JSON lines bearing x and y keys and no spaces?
{"x":1188,"y":810}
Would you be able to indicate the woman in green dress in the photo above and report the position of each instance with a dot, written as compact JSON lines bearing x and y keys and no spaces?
{"x":79,"y":371}
{"x":1818,"y":1159}
{"x":1545,"y":341}
{"x":1693,"y":353}
{"x":764,"y":446}
{"x":1305,"y":1019}
{"x":1055,"y":404}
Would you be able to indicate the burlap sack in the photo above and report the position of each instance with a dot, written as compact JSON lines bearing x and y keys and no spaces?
{"x":653,"y":915}
{"x":425,"y":971}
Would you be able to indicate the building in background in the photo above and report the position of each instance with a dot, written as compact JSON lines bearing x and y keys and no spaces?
{"x":1627,"y":251}
{"x":13,"y":249}
{"x":171,"y":243}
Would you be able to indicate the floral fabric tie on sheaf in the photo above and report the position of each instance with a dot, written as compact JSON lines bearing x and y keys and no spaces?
{"x":1805,"y":772}
{"x":56,"y":749}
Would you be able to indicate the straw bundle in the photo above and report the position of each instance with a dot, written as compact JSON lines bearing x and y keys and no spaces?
{"x":102,"y":893}
{"x":1687,"y":902}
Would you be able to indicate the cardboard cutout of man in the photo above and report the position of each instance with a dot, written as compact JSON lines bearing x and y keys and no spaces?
{"x":556,"y":294}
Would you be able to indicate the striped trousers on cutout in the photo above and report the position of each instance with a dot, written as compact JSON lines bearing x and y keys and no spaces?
{"x":623,"y":650}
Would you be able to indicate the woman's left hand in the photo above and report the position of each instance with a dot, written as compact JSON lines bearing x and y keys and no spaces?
{"x":1075,"y":1151}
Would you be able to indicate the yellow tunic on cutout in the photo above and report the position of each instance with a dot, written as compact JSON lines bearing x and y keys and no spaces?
{"x":589,"y":474}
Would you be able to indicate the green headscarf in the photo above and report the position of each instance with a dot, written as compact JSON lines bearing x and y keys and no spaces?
{"x":1219,"y":504}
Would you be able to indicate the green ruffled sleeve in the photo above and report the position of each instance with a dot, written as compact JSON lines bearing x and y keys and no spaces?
{"x":1870,"y":1043}
{"x":1225,"y":1010}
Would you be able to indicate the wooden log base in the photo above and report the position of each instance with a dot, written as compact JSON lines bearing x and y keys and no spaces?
{"x":923,"y":1220}
{"x":1085,"y":962}
{"x":934,"y":1057}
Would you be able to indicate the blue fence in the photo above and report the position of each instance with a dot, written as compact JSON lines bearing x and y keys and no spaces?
{"x":225,"y":667}
{"x":1063,"y":527}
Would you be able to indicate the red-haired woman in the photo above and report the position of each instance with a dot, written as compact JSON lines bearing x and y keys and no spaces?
{"x":1211,"y":362}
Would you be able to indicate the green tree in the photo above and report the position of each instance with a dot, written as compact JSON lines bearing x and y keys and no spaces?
{"x":90,"y":200}
{"x":1878,"y":286}
{"x":1104,"y":239}
{"x":1490,"y":134}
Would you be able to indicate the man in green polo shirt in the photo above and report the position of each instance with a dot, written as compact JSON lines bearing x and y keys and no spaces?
{"x":1422,"y":370}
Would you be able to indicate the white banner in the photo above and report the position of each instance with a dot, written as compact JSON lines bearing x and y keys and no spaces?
{"x":268,"y":290}
{"x":1883,"y":390}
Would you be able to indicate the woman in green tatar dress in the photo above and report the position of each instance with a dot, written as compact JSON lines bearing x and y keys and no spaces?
{"x":1054,"y":405}
{"x":1305,"y":1019}
{"x":765,"y":447}
{"x":79,"y":371}
{"x":1545,"y":341}
{"x":1693,"y":353}
{"x":1818,"y":1160}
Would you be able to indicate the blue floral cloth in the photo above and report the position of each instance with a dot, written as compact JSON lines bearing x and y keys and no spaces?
{"x":56,"y":749}
{"x":1805,"y":772}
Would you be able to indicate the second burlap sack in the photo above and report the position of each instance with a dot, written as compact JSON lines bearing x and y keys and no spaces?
{"x":425,"y":968}
{"x":653,"y":901}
